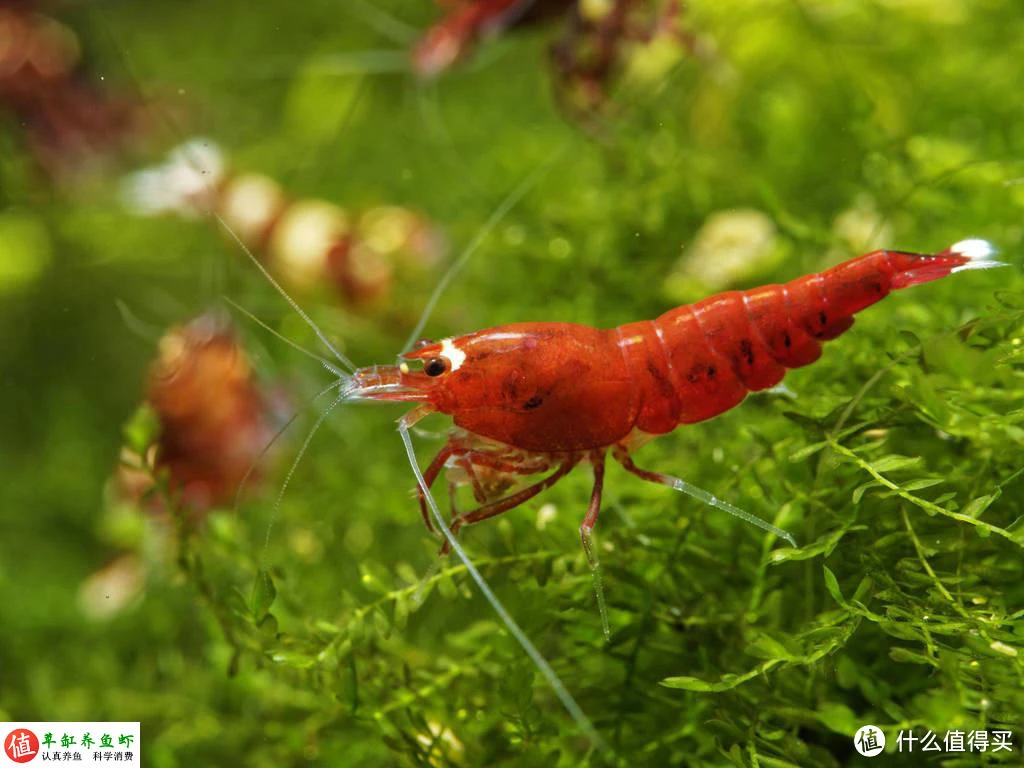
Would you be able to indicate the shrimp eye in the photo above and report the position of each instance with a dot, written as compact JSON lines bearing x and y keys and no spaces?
{"x":435,"y":366}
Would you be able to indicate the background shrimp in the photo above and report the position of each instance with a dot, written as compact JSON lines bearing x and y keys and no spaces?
{"x":308,"y":243}
{"x":601,"y":42}
{"x":212,"y":420}
{"x":894,"y":466}
{"x":198,"y":441}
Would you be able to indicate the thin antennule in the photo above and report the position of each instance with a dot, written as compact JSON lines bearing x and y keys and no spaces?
{"x":506,"y":205}
{"x":295,"y":464}
{"x":395,"y":30}
{"x":277,"y":436}
{"x":294,"y":304}
{"x":187,"y":183}
{"x":570,"y":704}
{"x":293,"y":344}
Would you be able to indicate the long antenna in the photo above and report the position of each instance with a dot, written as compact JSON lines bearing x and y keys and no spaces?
{"x":292,"y":302}
{"x":295,"y":464}
{"x":281,"y":337}
{"x":499,"y":213}
{"x":201,"y":172}
{"x":552,"y":678}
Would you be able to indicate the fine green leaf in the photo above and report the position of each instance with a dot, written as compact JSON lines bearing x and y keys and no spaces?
{"x":263,"y":595}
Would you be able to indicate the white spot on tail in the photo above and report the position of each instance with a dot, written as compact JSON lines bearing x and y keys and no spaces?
{"x":454,"y":355}
{"x":978,"y":251}
{"x":974,"y":249}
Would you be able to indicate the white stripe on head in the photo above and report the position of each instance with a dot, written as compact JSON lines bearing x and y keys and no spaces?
{"x":454,"y":355}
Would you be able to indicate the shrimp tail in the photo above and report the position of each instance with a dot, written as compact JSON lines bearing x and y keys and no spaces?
{"x":725,"y":346}
{"x":967,"y":254}
{"x":796,"y":317}
{"x":825,"y":303}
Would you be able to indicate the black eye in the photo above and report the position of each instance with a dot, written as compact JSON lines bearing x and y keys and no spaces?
{"x":435,"y":366}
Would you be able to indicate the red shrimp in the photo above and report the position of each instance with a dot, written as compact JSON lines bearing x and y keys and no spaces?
{"x":595,"y":45}
{"x":540,"y":397}
{"x":214,"y":419}
{"x":451,"y":38}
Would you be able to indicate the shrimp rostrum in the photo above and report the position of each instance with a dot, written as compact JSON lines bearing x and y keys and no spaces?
{"x":541,"y":398}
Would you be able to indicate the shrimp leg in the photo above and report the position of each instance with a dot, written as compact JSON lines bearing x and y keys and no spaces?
{"x":586,"y":532}
{"x":466,"y":464}
{"x":467,"y":458}
{"x":594,"y":508}
{"x":430,"y":475}
{"x":622,"y":456}
{"x":500,"y":506}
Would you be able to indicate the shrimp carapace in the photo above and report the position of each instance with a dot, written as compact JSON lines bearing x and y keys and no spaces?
{"x":531,"y":397}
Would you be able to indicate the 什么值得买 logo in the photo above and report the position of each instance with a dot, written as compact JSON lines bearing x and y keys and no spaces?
{"x":21,"y":745}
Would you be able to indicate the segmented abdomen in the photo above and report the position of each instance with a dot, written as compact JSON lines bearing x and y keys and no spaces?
{"x":699,"y":360}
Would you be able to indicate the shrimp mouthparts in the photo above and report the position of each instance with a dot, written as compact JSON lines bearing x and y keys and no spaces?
{"x":383,"y":383}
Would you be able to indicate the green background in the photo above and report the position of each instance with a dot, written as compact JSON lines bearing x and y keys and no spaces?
{"x":904,"y":606}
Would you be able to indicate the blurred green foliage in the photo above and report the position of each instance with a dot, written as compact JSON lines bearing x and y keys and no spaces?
{"x":342,"y":640}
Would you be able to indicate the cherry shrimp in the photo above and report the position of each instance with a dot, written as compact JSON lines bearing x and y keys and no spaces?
{"x":529,"y":398}
{"x":213,"y":421}
{"x":468,"y":21}
{"x":200,"y":436}
{"x":599,"y":39}
{"x":307,"y":242}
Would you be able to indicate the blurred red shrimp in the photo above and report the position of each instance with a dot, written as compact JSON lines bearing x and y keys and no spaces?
{"x":213,"y":422}
{"x":305,"y":242}
{"x":601,"y":40}
{"x":200,"y":436}
{"x":451,"y":39}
